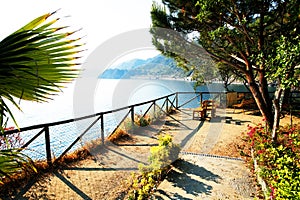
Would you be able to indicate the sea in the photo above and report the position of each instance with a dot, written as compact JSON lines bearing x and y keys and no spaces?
{"x":108,"y":94}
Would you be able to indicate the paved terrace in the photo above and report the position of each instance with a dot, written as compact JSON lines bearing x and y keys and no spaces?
{"x":201,"y":174}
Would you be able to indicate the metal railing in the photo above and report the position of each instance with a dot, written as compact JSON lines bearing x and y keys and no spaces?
{"x":98,"y":120}
{"x":96,"y":123}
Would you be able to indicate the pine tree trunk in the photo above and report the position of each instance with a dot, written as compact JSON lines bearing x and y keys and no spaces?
{"x":262,"y":104}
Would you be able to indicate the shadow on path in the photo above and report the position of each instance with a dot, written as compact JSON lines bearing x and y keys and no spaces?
{"x":37,"y":180}
{"x":19,"y":195}
{"x":72,"y":186}
{"x":175,"y":196}
{"x":123,"y":155}
{"x":191,"y":135}
{"x":190,"y":178}
{"x":191,"y":168}
{"x":179,"y":122}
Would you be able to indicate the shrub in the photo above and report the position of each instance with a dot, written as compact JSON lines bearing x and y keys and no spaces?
{"x":160,"y":158}
{"x":13,"y":163}
{"x":164,"y":154}
{"x":142,"y":120}
{"x":118,"y":135}
{"x":279,"y":161}
{"x":10,"y":141}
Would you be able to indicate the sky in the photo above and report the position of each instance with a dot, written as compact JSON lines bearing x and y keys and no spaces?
{"x":100,"y":20}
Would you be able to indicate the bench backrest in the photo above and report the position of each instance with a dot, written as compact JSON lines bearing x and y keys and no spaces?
{"x":208,"y":103}
{"x":247,"y":101}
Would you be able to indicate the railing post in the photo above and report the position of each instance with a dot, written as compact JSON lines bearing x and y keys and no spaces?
{"x":201,"y":97}
{"x":102,"y":128}
{"x":224,"y":99}
{"x":176,"y":97}
{"x":167,"y":105}
{"x":154,"y":109}
{"x":48,"y":147}
{"x":132,"y":118}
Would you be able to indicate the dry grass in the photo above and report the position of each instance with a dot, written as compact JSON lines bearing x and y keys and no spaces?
{"x":118,"y":135}
{"x":20,"y":179}
{"x":43,"y":166}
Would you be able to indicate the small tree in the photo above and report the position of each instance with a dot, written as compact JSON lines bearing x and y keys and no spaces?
{"x":283,"y":70}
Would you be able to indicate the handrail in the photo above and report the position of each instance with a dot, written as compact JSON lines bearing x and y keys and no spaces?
{"x":81,"y":118}
{"x":115,"y":110}
{"x":100,"y":116}
{"x":112,"y":111}
{"x":79,"y":137}
{"x":168,"y":104}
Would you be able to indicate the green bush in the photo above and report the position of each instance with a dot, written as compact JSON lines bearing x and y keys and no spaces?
{"x":279,"y":161}
{"x":160,"y":159}
{"x":164,"y":154}
{"x":142,"y":120}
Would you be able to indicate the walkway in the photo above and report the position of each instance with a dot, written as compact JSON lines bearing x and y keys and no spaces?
{"x":201,"y":175}
{"x":197,"y":176}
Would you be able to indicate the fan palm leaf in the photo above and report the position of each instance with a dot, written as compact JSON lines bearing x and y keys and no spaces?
{"x":35,"y":63}
{"x":12,"y":161}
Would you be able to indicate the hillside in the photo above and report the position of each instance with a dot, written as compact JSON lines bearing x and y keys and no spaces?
{"x":156,"y":67}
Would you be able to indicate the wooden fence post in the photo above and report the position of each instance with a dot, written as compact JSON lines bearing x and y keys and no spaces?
{"x":102,"y":128}
{"x":154,"y":109}
{"x":176,"y":100}
{"x":201,"y":97}
{"x":132,"y":118}
{"x":48,"y":147}
{"x":167,"y":105}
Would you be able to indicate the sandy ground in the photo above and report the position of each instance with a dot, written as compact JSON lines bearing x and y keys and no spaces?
{"x":211,"y":166}
{"x":106,"y":175}
{"x":203,"y":177}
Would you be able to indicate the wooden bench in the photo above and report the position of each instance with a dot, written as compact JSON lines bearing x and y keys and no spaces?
{"x":207,"y":105}
{"x":245,"y":103}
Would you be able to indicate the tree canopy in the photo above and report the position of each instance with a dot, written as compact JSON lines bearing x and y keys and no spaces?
{"x":250,"y":36}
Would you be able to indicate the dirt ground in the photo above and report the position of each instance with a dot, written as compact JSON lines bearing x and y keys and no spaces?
{"x":107,"y":174}
{"x":231,"y":140}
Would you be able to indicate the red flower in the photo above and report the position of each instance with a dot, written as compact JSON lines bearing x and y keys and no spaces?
{"x":260,"y":151}
{"x":251,"y":132}
{"x":272,"y":194}
{"x":9,"y":128}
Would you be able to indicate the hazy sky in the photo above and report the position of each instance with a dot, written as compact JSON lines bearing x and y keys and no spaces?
{"x":100,"y":20}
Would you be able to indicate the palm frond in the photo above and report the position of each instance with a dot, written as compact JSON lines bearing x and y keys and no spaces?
{"x":35,"y":62}
{"x":13,"y":161}
{"x":36,"y":59}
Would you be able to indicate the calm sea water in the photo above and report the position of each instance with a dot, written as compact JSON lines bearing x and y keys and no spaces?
{"x":109,"y":94}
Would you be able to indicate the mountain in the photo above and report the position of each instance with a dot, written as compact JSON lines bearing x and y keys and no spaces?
{"x":128,"y":65}
{"x":156,"y":67}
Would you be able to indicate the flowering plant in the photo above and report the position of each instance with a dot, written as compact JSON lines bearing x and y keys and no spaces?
{"x":279,"y":161}
{"x":10,"y":141}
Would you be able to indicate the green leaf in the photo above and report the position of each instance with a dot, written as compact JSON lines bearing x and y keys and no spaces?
{"x":35,"y":62}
